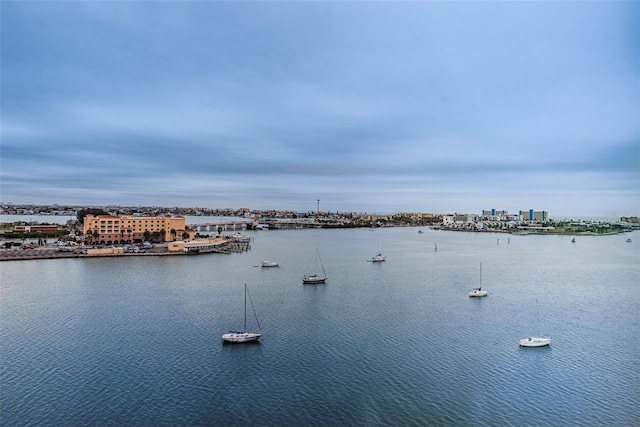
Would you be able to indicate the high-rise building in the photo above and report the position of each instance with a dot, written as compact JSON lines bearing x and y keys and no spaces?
{"x":531,"y":215}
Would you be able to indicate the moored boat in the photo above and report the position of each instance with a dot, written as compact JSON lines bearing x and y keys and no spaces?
{"x":478,"y":292}
{"x":534,"y":342}
{"x":240,"y":238}
{"x":243,"y":336}
{"x":270,"y":264}
{"x":315,"y":279}
{"x":377,"y":258}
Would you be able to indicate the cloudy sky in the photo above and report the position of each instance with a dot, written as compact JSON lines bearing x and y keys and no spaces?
{"x":368,"y":106}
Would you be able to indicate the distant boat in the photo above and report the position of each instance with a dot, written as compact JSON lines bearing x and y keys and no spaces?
{"x":379,"y":257}
{"x":478,"y":292}
{"x":240,"y":238}
{"x":244,"y":336}
{"x":314,"y":279}
{"x":573,"y":240}
{"x":535,"y":341}
{"x":269,"y":264}
{"x":628,"y":240}
{"x":420,"y":231}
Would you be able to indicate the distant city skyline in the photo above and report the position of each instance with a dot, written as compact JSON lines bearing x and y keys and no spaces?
{"x":375,"y":107}
{"x":9,"y":210}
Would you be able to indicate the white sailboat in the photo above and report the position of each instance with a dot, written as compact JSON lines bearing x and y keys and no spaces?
{"x":244,"y":336}
{"x":478,"y":292}
{"x":379,"y":257}
{"x":314,"y":279}
{"x":535,"y":341}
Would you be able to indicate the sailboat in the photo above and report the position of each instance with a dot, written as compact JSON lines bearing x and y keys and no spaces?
{"x":314,"y":279}
{"x":478,"y":292}
{"x":244,"y":336}
{"x":379,"y":257}
{"x":535,"y":341}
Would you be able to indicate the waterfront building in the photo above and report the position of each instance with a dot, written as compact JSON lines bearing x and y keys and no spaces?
{"x":414,"y":216}
{"x":459,"y":219}
{"x":112,"y":229}
{"x":495,"y":214}
{"x":531,"y":215}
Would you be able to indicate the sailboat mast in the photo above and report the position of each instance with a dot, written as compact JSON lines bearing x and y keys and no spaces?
{"x":321,"y":264}
{"x":245,"y":307}
{"x":537,"y":324}
{"x":480,"y":275}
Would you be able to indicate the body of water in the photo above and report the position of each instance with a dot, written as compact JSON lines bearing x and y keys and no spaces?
{"x":137,"y":340}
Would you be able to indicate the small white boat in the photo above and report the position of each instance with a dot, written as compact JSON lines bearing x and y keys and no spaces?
{"x":377,"y":258}
{"x":478,"y":292}
{"x":238,"y":337}
{"x":313,"y":280}
{"x":240,"y":238}
{"x":628,"y":240}
{"x":269,"y":264}
{"x":534,"y":342}
{"x":243,"y":336}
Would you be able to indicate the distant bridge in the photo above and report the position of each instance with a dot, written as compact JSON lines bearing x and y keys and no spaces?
{"x":212,"y":227}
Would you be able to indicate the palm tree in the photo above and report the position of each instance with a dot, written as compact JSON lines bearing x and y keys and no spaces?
{"x":90,"y":235}
{"x":129,"y":232}
{"x":162,"y":235}
{"x":173,"y":233}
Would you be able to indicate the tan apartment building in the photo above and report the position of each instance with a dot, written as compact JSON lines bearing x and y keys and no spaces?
{"x":111,"y":229}
{"x":531,"y":215}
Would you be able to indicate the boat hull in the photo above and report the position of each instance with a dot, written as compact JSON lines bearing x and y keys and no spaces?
{"x":478,"y":293}
{"x":313,"y":280}
{"x":269,"y":264}
{"x":535,"y":342}
{"x":240,"y":337}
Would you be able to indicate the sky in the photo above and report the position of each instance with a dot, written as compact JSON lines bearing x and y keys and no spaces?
{"x":377,"y":107}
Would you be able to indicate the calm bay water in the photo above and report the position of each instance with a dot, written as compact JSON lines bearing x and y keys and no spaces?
{"x":136,"y":340}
